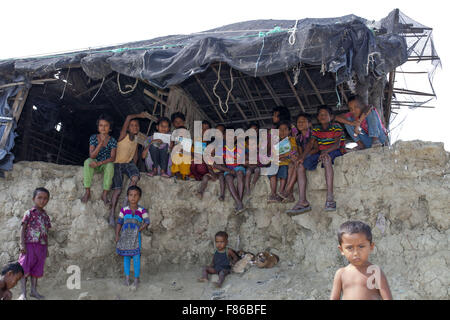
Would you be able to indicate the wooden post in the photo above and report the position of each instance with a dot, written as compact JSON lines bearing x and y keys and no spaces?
{"x":294,"y":91}
{"x":17,"y":108}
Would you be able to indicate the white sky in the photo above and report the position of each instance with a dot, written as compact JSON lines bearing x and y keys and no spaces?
{"x":45,"y":26}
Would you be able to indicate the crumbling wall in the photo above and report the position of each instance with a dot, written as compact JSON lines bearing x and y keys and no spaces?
{"x":406,"y":186}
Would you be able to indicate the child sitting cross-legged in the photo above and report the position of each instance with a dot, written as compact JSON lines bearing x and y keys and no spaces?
{"x":222,"y":260}
{"x":284,"y":160}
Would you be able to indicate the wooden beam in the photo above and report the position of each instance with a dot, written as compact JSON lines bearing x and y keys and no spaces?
{"x":94,"y":87}
{"x":231,"y":95}
{"x":319,"y":96}
{"x":38,"y":81}
{"x":341,"y":88}
{"x":17,"y":108}
{"x":155,"y":97}
{"x":294,"y":91}
{"x":247,"y":92}
{"x":259,"y":95}
{"x":389,"y":98}
{"x":272,"y":92}
{"x":208,"y":96}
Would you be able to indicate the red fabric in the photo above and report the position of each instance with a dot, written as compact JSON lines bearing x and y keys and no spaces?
{"x":199,"y":170}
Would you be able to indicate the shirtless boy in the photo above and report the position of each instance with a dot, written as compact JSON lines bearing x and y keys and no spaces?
{"x":360,"y":280}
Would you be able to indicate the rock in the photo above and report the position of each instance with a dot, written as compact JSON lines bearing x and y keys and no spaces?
{"x":86,"y":296}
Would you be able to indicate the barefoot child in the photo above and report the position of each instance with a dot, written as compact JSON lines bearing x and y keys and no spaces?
{"x":159,"y":150}
{"x":355,"y":281}
{"x":102,"y":154}
{"x":9,"y":277}
{"x":34,"y":242}
{"x":284,"y":160}
{"x":222,"y":260}
{"x":132,"y":220}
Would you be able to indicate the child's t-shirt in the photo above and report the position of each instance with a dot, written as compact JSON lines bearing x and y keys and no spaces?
{"x":364,"y":125}
{"x":38,"y":223}
{"x":105,"y":152}
{"x":325,"y":137}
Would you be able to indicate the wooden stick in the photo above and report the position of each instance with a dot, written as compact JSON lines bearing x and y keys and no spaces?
{"x":294,"y":91}
{"x":19,"y":102}
{"x":154,"y":97}
{"x":39,"y":81}
{"x":272,"y":92}
{"x":319,"y":96}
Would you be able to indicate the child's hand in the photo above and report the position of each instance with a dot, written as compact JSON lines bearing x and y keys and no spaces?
{"x":323,"y":156}
{"x":93,"y":164}
{"x":157,"y":141}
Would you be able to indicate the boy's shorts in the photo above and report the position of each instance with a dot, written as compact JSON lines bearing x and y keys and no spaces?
{"x":311,"y":162}
{"x":282,"y":173}
{"x":120,"y":169}
{"x":236,"y":169}
{"x":34,"y":260}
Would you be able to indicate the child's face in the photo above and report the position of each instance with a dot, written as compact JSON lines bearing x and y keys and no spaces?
{"x":284,"y":131}
{"x":221,"y":243}
{"x":302,"y":124}
{"x":221,"y":129}
{"x":353,"y":107}
{"x":163,"y":127}
{"x":133,"y":127}
{"x":356,"y":248}
{"x":276,"y":117}
{"x":324,"y":117}
{"x":41,"y":199}
{"x":11,"y":279}
{"x":133,"y":197}
{"x":104,"y":127}
{"x":205,"y":127}
{"x":178,"y":122}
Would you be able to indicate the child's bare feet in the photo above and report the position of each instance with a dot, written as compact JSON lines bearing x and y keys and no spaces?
{"x":127,"y":281}
{"x":86,"y":196}
{"x":36,"y":295}
{"x":274,"y":198}
{"x":136,"y":283}
{"x":202,"y":280}
{"x":222,"y":198}
{"x":105,"y":199}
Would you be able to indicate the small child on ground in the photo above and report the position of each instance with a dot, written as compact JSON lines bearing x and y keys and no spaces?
{"x":34,"y":242}
{"x":132,"y":220}
{"x":10,"y":275}
{"x":159,"y":151}
{"x":355,"y":281}
{"x":284,"y":160}
{"x":222,"y":261}
{"x":102,"y":154}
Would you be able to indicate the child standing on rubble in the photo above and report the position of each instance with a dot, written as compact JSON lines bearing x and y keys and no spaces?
{"x":34,"y":242}
{"x":132,"y":220}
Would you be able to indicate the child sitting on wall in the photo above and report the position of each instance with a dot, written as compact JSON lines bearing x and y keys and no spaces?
{"x":199,"y":170}
{"x":327,"y":144}
{"x":284,"y":161}
{"x":102,"y":154}
{"x":356,"y":281}
{"x":252,"y":168}
{"x":132,"y":220}
{"x":159,"y":150}
{"x":303,"y":124}
{"x":363,"y":124}
{"x":181,"y":170}
{"x":223,"y":259}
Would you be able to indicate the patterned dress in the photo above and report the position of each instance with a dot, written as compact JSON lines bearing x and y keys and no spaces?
{"x":129,"y":243}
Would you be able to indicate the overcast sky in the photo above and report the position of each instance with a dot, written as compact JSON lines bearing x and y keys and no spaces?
{"x":44,"y":26}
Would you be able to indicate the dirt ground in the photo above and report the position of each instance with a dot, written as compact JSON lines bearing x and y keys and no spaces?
{"x":284,"y":281}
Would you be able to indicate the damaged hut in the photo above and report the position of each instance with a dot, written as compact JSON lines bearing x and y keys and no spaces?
{"x":235,"y":74}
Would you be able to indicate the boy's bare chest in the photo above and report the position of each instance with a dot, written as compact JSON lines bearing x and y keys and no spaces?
{"x":356,"y":285}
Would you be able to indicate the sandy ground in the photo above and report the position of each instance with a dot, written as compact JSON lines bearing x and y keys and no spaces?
{"x":284,"y":281}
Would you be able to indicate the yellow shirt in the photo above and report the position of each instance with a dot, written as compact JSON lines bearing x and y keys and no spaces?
{"x":293,"y":150}
{"x":126,"y":150}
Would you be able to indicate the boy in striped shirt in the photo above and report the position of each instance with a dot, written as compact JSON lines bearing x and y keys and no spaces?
{"x":327,"y":143}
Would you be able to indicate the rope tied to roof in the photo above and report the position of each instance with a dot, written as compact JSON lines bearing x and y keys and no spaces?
{"x":126,"y":86}
{"x":292,"y":32}
{"x":229,"y":90}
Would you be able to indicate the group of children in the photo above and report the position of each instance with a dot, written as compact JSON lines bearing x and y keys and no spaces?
{"x":308,"y":145}
{"x":358,"y":280}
